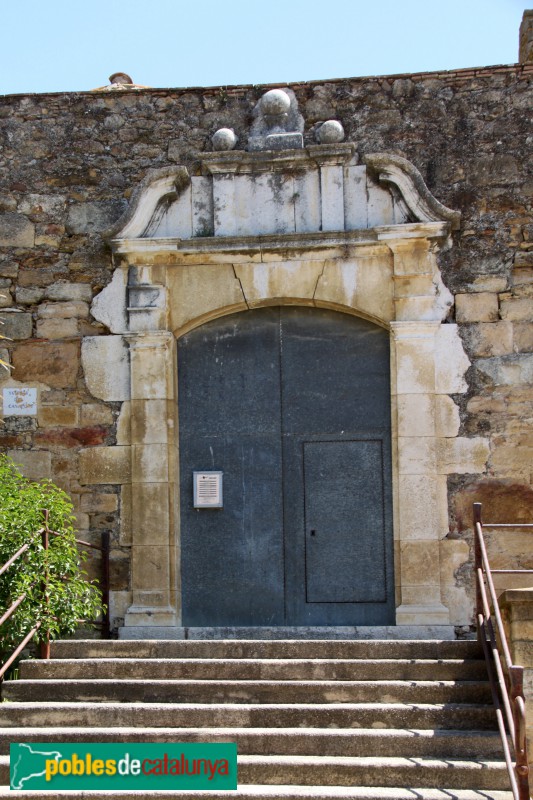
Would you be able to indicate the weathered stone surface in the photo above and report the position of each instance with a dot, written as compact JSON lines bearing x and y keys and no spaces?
{"x":501,"y":501}
{"x":447,"y":418}
{"x":93,"y":217}
{"x":451,"y":360}
{"x":295,"y":279}
{"x":95,"y":414}
{"x":63,"y":290}
{"x":109,"y":306}
{"x":488,"y":338}
{"x":461,"y":455}
{"x":99,"y":503}
{"x":417,"y":513}
{"x":517,"y":309}
{"x":72,"y":437}
{"x":35,"y":277}
{"x":51,"y":363}
{"x":73,"y":308}
{"x":416,"y":415}
{"x":508,"y":370}
{"x":513,"y":460}
{"x":57,"y":416}
{"x":149,"y":463}
{"x":34,"y":464}
{"x":488,"y":283}
{"x":56,"y":328}
{"x":42,"y":205}
{"x":523,"y":337}
{"x":105,"y":465}
{"x":105,"y":361}
{"x":29,"y":296}
{"x":16,"y":231}
{"x":16,"y":325}
{"x":481,"y":307}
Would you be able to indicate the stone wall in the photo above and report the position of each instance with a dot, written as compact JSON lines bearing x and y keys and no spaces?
{"x":68,"y":166}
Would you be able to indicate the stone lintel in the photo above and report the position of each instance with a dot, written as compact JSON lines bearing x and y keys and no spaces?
{"x":241,"y":161}
{"x":206,"y":245}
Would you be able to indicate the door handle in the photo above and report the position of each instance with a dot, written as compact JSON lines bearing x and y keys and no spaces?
{"x":312,"y":532}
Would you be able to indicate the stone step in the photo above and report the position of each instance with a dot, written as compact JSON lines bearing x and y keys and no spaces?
{"x":312,"y":649}
{"x":373,"y":771}
{"x":294,"y":792}
{"x":317,"y":669}
{"x":284,"y":741}
{"x":183,"y":691}
{"x":360,"y":771}
{"x":331,"y":632}
{"x":250,"y":715}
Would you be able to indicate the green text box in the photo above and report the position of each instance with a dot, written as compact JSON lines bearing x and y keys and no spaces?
{"x":118,"y":766}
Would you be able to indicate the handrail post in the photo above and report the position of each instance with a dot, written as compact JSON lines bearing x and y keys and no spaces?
{"x":105,"y":583}
{"x":44,"y":645}
{"x":516,"y":682}
{"x":477,"y":562}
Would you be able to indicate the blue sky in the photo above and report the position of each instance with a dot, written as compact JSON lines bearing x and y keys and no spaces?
{"x":67,"y":45}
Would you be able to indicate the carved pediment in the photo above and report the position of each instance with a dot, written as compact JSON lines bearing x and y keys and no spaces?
{"x":317,"y":189}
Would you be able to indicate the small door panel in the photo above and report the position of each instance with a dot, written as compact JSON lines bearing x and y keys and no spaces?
{"x":344,"y":531}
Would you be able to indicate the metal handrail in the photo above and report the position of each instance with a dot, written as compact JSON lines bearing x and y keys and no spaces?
{"x":44,"y":645}
{"x":506,"y":679}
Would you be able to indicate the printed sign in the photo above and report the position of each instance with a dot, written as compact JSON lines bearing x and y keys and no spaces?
{"x":121,"y":767}
{"x":207,"y":489}
{"x":20,"y":402}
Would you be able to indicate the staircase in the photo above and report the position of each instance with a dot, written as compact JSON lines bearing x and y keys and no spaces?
{"x":376,"y":720}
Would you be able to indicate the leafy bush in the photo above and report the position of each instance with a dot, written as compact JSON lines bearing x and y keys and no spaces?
{"x":69,"y":596}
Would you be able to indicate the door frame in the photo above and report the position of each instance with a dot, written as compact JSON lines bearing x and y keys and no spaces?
{"x":387,"y":272}
{"x":423,"y":413}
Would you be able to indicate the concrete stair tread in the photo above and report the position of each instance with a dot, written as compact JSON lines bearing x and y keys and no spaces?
{"x":145,"y":732}
{"x":378,"y":684}
{"x":271,"y":792}
{"x":376,"y":761}
{"x":258,"y":668}
{"x":254,"y":648}
{"x":70,"y":704}
{"x":357,"y":771}
{"x":284,"y":741}
{"x":258,"y":691}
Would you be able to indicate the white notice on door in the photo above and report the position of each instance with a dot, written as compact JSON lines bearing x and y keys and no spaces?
{"x":207,"y":489}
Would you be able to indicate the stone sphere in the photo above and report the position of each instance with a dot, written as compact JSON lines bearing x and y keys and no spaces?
{"x":276,"y":102}
{"x":224,"y":139}
{"x":330,"y":132}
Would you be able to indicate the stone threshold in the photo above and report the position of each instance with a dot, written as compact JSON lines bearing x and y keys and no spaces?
{"x":446,"y":632}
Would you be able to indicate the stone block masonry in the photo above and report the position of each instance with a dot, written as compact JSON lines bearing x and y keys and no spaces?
{"x":69,"y":164}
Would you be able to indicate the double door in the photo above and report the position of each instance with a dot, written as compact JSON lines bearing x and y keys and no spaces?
{"x":292,"y":405}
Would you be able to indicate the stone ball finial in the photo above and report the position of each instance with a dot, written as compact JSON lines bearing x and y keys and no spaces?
{"x":330,"y":132}
{"x":224,"y":139}
{"x":276,"y":102}
{"x":120,"y":77}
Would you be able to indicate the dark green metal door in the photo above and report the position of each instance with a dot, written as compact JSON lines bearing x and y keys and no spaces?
{"x":293,"y":406}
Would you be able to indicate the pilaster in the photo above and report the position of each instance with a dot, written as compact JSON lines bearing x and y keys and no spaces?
{"x":153,"y":479}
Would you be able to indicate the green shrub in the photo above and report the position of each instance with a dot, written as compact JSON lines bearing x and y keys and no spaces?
{"x":70,"y":597}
